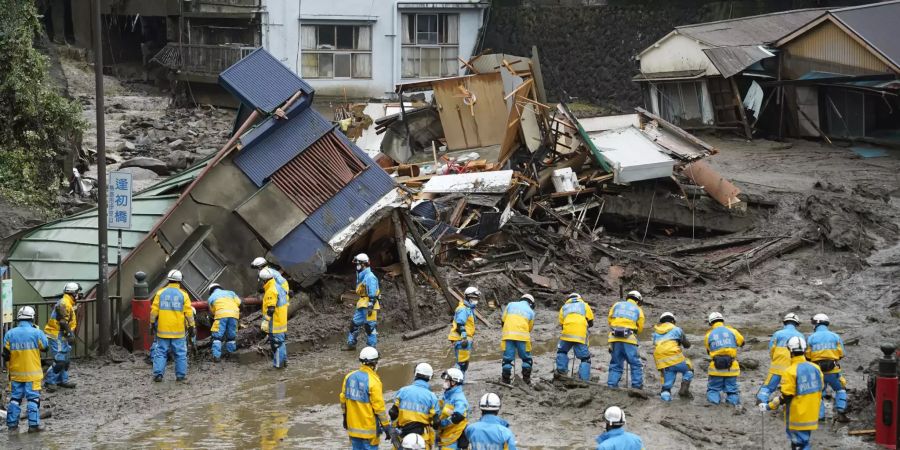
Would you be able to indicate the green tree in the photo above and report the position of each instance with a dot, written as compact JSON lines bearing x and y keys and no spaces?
{"x":39,"y":126}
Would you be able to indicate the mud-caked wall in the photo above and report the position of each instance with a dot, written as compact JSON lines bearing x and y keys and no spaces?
{"x":587,"y":47}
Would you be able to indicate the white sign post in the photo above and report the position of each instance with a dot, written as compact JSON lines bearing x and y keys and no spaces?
{"x":118,"y":218}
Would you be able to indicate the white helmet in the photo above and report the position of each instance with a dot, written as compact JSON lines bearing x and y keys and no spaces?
{"x":453,"y":374}
{"x":820,"y":319}
{"x":368,"y":355}
{"x":529,"y":298}
{"x":212,"y":288}
{"x":71,"y":288}
{"x":614,"y":416}
{"x":797,"y":345}
{"x":361,"y":258}
{"x":791,"y":317}
{"x":667,"y":315}
{"x":175,"y":276}
{"x":472,"y":291}
{"x":635,"y":295}
{"x":573,"y":295}
{"x":25,"y":313}
{"x":424,"y":370}
{"x":266,"y":274}
{"x":489,"y":402}
{"x":412,"y":442}
{"x":258,"y":263}
{"x":715,"y":317}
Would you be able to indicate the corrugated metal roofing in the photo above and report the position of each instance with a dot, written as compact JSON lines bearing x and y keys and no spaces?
{"x":753,"y":30}
{"x":268,"y":150}
{"x":876,"y":24}
{"x":361,"y":193}
{"x":263,"y":82}
{"x":733,"y":60}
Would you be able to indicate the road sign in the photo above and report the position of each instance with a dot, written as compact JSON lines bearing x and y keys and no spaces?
{"x":118,"y":201}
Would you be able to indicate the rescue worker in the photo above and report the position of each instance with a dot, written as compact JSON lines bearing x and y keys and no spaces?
{"x":225,"y":307}
{"x":362,"y":402}
{"x":415,"y":406}
{"x":414,"y":442}
{"x":825,"y":348}
{"x":170,"y":310}
{"x":22,"y":347}
{"x":368,"y":305}
{"x":462,"y":330}
{"x":576,"y":317}
{"x":260,"y":263}
{"x":722,"y":343}
{"x":453,"y":408}
{"x":615,"y":437}
{"x":801,"y":394}
{"x":669,"y":341}
{"x":518,"y":321}
{"x":491,"y":432}
{"x":60,"y":329}
{"x":779,"y":356}
{"x":275,"y":316}
{"x":626,"y":320}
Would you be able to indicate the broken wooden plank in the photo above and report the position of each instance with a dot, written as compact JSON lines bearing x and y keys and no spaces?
{"x":861,"y":432}
{"x":675,"y":129}
{"x":458,"y":211}
{"x":426,"y":253}
{"x":422,"y":331}
{"x":572,"y":193}
{"x":490,"y":271}
{"x":400,"y":239}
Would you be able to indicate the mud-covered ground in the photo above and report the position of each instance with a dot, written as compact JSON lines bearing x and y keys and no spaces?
{"x":848,"y":274}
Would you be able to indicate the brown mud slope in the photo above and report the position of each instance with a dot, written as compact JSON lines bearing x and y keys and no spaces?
{"x":847,"y":267}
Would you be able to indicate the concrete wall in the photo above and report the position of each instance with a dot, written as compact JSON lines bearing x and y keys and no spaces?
{"x":281,"y":36}
{"x":677,"y":52}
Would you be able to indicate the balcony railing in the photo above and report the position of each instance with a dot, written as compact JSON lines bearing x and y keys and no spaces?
{"x":201,"y":59}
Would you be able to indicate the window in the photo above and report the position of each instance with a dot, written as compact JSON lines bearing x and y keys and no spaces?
{"x":681,"y":103}
{"x":336,"y":51}
{"x":430,"y":45}
{"x":201,"y":269}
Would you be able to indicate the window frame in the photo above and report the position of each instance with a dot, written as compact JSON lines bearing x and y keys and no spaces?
{"x":306,"y":49}
{"x":416,"y":47}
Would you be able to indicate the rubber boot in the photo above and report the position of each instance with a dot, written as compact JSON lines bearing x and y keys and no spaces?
{"x":348,"y":348}
{"x":526,"y":375}
{"x":842,"y":417}
{"x":36,"y":429}
{"x":685,"y":390}
{"x":506,"y":377}
{"x":157,"y":378}
{"x":67,"y":385}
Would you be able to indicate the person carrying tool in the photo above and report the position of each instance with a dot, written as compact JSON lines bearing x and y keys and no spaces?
{"x":414,"y":442}
{"x":260,"y":263}
{"x":518,"y":321}
{"x":491,"y":432}
{"x":576,"y":317}
{"x":368,"y":305}
{"x":626,"y":320}
{"x":415,"y":406}
{"x":825,"y":348}
{"x":615,"y":437}
{"x":170,"y":314}
{"x":22,"y":347}
{"x":275,"y":316}
{"x":453,"y":411}
{"x":60,"y":331}
{"x":780,"y":357}
{"x":722,"y":343}
{"x":225,"y":307}
{"x":462,"y":330}
{"x":669,"y":342}
{"x":801,"y":394}
{"x":362,"y":403}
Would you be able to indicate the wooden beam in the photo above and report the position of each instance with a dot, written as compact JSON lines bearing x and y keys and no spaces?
{"x":432,"y":267}
{"x":740,"y":107}
{"x":677,"y":130}
{"x":404,"y":263}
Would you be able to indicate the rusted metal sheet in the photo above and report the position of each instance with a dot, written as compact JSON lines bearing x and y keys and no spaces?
{"x":713,"y":183}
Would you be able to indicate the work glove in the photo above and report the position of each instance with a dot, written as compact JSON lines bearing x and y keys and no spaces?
{"x":345,"y":421}
{"x":775,"y":402}
{"x":191,"y":332}
{"x":762,"y":407}
{"x":387,"y":432}
{"x":153,"y":329}
{"x":436,"y":422}
{"x":464,"y":344}
{"x":270,"y":311}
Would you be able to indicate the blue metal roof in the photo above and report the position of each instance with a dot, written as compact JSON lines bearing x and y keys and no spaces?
{"x":348,"y":204}
{"x":303,"y":254}
{"x":276,"y":141}
{"x":263,"y":82}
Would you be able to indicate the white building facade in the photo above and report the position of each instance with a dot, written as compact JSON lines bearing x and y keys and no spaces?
{"x":363,"y":48}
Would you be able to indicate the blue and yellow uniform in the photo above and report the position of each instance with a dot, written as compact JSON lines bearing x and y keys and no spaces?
{"x":619,"y":439}
{"x":453,"y":416}
{"x":462,"y":333}
{"x":170,"y":309}
{"x":363,"y":404}
{"x":225,"y":307}
{"x":57,"y":335}
{"x":22,"y":345}
{"x":722,"y":342}
{"x":626,"y":320}
{"x":490,"y":433}
{"x":668,"y":352}
{"x":275,"y":315}
{"x":780,"y":358}
{"x":518,"y":321}
{"x":416,"y":407}
{"x":825,"y":349}
{"x":801,"y":389}
{"x":367,"y":307}
{"x":575,"y":316}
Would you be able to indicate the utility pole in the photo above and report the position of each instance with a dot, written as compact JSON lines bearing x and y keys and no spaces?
{"x":102,"y":291}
